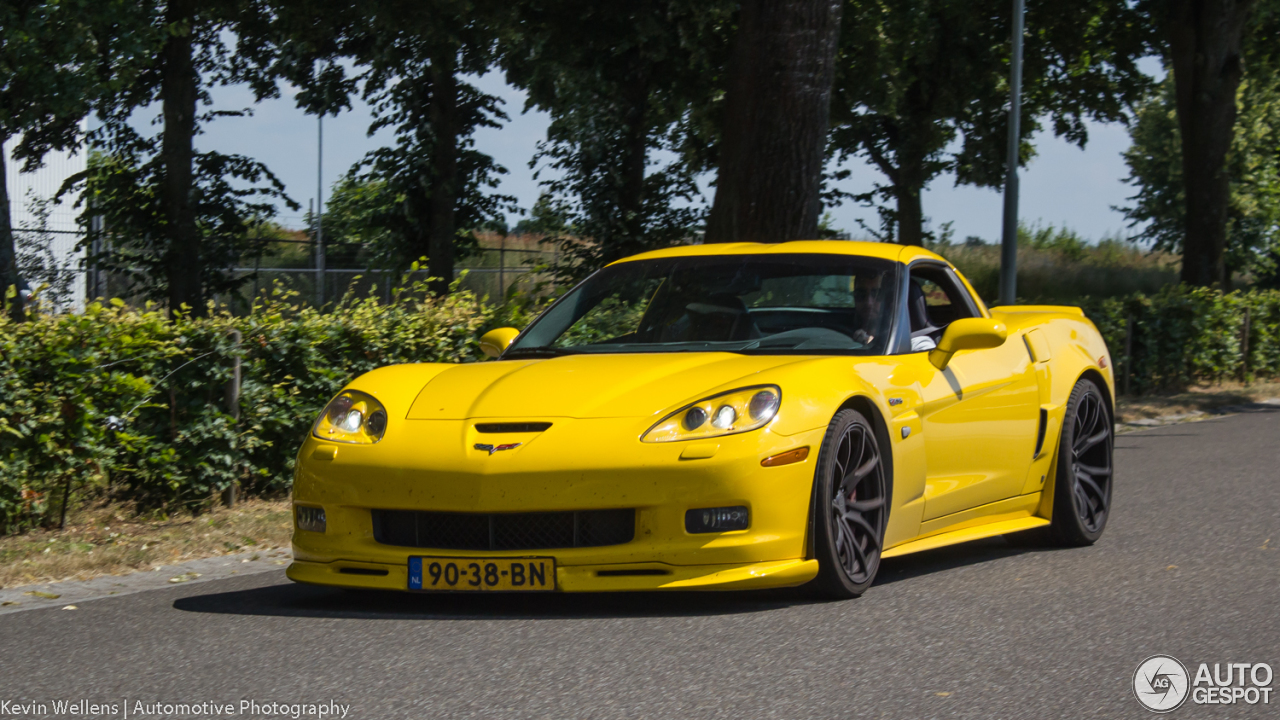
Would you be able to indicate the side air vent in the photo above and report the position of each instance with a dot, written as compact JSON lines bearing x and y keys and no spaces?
{"x":1044,"y":421}
{"x":512,"y":427}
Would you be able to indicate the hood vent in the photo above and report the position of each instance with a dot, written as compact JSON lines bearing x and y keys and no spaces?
{"x":525,"y":427}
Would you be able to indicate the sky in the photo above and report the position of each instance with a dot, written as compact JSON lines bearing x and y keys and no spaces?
{"x":1062,"y":186}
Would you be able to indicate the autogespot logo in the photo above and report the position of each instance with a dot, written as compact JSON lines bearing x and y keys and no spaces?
{"x":1161,"y":683}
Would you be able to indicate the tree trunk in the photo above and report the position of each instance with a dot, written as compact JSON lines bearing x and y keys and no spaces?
{"x":179,"y":91}
{"x":910,"y":215}
{"x":775,"y":122}
{"x":1205,"y":45}
{"x":635,"y":157}
{"x":908,"y":184}
{"x":9,"y":277}
{"x":444,"y":171}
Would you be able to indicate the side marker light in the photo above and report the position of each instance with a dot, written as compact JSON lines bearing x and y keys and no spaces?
{"x":786,"y":458}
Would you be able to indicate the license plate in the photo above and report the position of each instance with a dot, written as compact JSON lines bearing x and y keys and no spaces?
{"x":482,"y":574}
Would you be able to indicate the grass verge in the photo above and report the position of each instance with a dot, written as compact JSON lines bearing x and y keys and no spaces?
{"x":1206,"y":399}
{"x":107,"y":541}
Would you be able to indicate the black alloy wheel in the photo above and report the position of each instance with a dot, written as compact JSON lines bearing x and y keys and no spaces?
{"x":851,"y":506}
{"x":1082,"y":489}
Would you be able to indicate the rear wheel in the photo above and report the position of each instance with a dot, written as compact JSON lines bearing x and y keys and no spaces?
{"x":1082,"y":489}
{"x":851,"y":508}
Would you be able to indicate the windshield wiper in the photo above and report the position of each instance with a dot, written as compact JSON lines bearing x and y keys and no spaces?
{"x":536,"y":352}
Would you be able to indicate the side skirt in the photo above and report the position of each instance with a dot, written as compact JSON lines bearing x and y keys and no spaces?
{"x":984,"y":522}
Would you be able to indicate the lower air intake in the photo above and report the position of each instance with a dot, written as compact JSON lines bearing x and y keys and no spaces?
{"x":503,"y":531}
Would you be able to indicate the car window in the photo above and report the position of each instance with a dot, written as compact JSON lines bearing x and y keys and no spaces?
{"x":934,"y":300}
{"x":617,"y":314}
{"x":798,"y":302}
{"x":934,"y":295}
{"x":831,"y":291}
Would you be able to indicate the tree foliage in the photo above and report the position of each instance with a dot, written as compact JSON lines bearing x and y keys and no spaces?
{"x":1252,"y":163}
{"x":56,"y":58}
{"x":1204,"y":44}
{"x":230,"y":197}
{"x":922,"y":89}
{"x":630,"y":89}
{"x":178,"y":218}
{"x":412,"y":61}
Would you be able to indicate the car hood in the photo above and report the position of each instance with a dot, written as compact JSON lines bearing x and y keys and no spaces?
{"x":587,"y":385}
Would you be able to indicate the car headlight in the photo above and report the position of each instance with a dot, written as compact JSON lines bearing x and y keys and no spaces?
{"x":352,"y":417}
{"x":724,"y":414}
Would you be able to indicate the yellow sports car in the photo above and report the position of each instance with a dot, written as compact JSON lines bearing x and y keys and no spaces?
{"x":716,"y":417}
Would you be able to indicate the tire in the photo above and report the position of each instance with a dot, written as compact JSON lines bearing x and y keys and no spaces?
{"x":852,"y":491}
{"x":1083,"y":481}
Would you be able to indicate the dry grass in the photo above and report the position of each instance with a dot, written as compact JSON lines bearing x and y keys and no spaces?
{"x":107,"y":541}
{"x":1048,"y":276}
{"x":1199,"y":399}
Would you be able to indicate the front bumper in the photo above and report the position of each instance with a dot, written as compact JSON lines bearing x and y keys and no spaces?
{"x":579,"y":465}
{"x":584,"y":578}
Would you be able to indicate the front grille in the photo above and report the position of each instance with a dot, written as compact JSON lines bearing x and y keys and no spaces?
{"x":503,"y":531}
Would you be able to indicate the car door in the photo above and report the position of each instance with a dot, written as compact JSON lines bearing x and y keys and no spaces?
{"x":979,"y":415}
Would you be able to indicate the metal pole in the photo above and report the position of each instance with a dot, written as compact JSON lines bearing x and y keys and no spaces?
{"x":1128,"y":352}
{"x":319,"y":212}
{"x":94,"y":271}
{"x":231,"y":399}
{"x":1009,"y":240}
{"x":1244,"y":349}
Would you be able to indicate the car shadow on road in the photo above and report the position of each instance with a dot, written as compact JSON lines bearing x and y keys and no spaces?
{"x":292,"y":600}
{"x":952,"y":557}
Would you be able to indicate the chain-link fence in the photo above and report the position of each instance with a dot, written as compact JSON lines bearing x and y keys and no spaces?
{"x":502,"y":265}
{"x":50,"y":265}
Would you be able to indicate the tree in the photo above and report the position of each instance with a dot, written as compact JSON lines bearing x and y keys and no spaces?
{"x":179,"y":217}
{"x":774,"y":124}
{"x":622,"y":83}
{"x":412,"y":60}
{"x":363,"y":216}
{"x":50,"y":277}
{"x":1251,"y":165}
{"x":53,"y":62}
{"x":922,"y":89}
{"x":1205,"y":46}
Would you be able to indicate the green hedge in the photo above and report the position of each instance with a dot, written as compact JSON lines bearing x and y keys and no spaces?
{"x":1183,"y":335}
{"x":124,"y":404}
{"x":172,"y":443}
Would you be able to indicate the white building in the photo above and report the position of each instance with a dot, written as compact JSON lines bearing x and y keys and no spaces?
{"x":53,"y":241}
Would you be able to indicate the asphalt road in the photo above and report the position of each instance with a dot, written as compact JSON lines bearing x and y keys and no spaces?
{"x":1189,"y":566}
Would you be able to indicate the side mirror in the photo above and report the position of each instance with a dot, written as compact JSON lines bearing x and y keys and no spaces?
{"x":494,"y":342}
{"x":967,"y":334}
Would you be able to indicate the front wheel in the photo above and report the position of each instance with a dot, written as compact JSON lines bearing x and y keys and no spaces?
{"x":1082,"y":489}
{"x":851,"y":506}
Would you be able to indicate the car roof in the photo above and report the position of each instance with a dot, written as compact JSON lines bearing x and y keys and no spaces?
{"x":884,"y":251}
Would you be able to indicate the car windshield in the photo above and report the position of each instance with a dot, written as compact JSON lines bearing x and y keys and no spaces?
{"x":783,"y":303}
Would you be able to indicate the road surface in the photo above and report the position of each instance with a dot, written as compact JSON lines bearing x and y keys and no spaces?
{"x":1189,"y":566}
